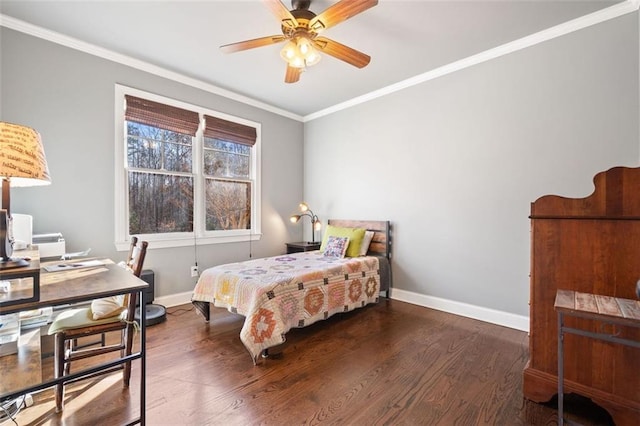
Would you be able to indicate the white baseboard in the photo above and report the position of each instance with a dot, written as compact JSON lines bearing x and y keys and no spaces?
{"x":506,"y":319}
{"x":174,"y":299}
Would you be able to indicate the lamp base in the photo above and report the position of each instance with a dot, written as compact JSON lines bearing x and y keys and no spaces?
{"x":13,"y":263}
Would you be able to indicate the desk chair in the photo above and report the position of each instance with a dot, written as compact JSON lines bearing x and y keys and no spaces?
{"x":105,"y":315}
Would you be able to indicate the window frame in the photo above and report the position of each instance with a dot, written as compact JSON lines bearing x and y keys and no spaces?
{"x":199,"y":236}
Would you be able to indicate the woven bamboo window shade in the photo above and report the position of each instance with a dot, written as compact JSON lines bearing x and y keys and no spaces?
{"x":217,"y":128}
{"x":162,"y":116}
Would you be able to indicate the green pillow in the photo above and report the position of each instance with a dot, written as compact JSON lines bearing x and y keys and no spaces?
{"x":355,"y":236}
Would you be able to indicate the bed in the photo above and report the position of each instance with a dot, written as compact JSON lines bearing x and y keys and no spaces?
{"x":278,"y":293}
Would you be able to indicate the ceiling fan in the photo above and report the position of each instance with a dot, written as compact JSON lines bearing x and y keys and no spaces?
{"x":300,"y":30}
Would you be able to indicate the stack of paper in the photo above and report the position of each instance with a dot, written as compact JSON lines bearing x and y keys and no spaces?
{"x":35,"y":318}
{"x":56,"y":267}
{"x":9,"y":333}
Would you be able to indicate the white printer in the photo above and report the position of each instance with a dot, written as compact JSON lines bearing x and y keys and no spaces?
{"x":49,"y":245}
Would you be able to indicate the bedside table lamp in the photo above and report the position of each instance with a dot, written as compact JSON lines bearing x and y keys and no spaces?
{"x":22,"y":163}
{"x":316,"y":225}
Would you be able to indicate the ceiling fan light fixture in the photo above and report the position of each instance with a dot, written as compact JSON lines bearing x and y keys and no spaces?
{"x":300,"y":53}
{"x":300,"y":32}
{"x":310,"y":54}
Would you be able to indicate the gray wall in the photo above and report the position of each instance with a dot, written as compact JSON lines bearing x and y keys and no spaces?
{"x":68,"y":96}
{"x":455,"y":162}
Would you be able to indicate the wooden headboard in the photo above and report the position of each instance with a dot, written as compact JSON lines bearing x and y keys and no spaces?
{"x":381,"y":242}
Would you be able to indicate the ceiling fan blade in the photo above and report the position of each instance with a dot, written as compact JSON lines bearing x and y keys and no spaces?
{"x":250,"y":44}
{"x":342,"y":52}
{"x":292,"y":75}
{"x":282,"y":13}
{"x":339,"y":12}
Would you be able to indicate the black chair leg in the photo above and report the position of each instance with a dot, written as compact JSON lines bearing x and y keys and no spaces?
{"x":58,"y":359}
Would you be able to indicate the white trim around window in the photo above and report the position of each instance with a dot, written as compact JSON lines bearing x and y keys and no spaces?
{"x":200,"y":236}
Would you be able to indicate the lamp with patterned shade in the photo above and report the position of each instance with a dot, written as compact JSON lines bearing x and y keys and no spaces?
{"x":22,"y":163}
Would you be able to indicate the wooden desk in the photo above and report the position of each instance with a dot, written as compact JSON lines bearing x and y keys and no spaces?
{"x":603,"y":309}
{"x":62,"y":288}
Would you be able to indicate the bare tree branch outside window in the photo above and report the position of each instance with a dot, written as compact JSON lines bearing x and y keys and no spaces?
{"x":161,"y":182}
{"x":228,"y":185}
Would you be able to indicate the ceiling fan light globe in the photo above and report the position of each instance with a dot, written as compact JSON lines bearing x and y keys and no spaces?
{"x":304,"y":45}
{"x":289,"y":51}
{"x":312,"y":58}
{"x":297,"y":62}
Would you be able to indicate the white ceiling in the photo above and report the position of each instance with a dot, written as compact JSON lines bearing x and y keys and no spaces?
{"x":405,"y":38}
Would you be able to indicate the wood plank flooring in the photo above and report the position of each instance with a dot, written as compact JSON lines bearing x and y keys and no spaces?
{"x":389,"y":364}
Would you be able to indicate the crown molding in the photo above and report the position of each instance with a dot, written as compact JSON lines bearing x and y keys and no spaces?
{"x":73,"y":43}
{"x":568,"y":27}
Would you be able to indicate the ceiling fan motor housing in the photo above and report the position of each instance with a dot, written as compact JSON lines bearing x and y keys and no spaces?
{"x":303,"y":16}
{"x":300,"y":4}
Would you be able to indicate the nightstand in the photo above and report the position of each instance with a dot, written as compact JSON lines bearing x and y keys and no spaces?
{"x":302,"y":246}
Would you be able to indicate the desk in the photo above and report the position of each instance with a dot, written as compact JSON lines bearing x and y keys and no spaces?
{"x":603,"y":309}
{"x":62,"y":288}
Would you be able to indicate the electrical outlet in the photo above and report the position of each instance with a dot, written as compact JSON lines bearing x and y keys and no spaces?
{"x":194,"y":271}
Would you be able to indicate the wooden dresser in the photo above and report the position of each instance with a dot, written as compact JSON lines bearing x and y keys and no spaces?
{"x":589,"y":245}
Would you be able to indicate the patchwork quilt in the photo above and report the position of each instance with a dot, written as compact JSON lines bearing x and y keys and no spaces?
{"x":279,"y":293}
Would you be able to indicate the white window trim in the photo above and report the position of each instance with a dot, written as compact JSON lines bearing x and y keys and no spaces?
{"x":181,"y":239}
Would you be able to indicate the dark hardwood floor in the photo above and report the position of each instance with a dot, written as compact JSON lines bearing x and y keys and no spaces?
{"x":390,"y":364}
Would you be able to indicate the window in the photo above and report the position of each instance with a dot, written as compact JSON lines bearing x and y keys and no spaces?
{"x":184,"y":174}
{"x":227,"y":172}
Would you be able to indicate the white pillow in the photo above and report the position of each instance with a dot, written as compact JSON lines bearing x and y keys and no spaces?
{"x":107,"y":307}
{"x":336,"y":247}
{"x":366,"y":241}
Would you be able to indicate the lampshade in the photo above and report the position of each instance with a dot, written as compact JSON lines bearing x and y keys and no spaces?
{"x":22,"y":163}
{"x":22,"y":160}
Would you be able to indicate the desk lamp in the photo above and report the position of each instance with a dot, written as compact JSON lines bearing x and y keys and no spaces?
{"x":316,"y":225}
{"x":22,"y":163}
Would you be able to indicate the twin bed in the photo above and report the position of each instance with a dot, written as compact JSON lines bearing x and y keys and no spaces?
{"x":276,"y":294}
